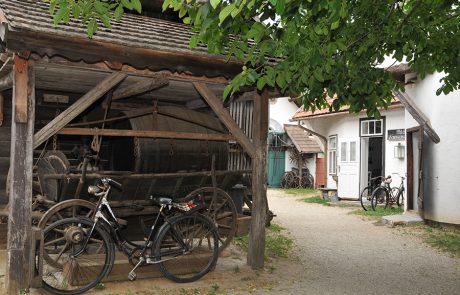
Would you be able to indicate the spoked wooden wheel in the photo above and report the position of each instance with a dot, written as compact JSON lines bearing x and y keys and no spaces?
{"x":67,"y":209}
{"x":220,"y":208}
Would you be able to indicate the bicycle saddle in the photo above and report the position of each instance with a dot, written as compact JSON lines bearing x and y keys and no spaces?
{"x":161,"y":201}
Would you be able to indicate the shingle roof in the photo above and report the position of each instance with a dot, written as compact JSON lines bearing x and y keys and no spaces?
{"x":303,"y":143}
{"x":302,"y":114}
{"x":132,"y":30}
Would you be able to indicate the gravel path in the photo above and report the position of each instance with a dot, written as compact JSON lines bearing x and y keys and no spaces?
{"x":343,"y":254}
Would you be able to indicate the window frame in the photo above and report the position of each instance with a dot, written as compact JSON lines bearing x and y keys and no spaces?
{"x":332,"y":155}
{"x":368,"y":123}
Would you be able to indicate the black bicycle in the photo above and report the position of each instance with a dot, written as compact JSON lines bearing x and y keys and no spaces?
{"x":385,"y":195}
{"x":366,"y":194}
{"x":79,"y":252}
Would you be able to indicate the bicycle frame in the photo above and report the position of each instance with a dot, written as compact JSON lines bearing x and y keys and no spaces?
{"x":123,"y":244}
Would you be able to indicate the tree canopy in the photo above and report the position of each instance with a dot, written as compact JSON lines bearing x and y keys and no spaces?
{"x":312,"y":49}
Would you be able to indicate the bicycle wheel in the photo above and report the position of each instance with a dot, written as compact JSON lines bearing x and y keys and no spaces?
{"x":365,"y":198}
{"x":380,"y":198}
{"x":65,"y":269}
{"x":187,"y":247}
{"x":400,"y":198}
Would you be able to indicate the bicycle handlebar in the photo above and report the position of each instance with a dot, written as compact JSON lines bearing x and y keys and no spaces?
{"x":115,"y":184}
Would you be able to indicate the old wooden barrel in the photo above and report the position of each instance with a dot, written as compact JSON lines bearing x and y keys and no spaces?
{"x":156,"y":155}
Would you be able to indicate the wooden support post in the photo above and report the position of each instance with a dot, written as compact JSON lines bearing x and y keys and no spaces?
{"x":218,"y":108}
{"x":77,"y":108}
{"x":417,"y":114}
{"x":256,"y":248}
{"x":20,"y":201}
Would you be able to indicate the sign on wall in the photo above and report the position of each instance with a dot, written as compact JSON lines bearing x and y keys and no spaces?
{"x":397,"y":134}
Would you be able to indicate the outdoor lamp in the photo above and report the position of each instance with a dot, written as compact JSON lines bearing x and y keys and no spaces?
{"x":399,"y":151}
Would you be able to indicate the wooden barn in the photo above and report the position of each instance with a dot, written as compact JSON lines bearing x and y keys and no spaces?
{"x":145,"y":106}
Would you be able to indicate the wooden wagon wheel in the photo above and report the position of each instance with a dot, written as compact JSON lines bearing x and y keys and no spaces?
{"x":66,"y":209}
{"x":220,"y":208}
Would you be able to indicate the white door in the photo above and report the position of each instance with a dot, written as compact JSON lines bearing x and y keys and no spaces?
{"x":348,"y":182}
{"x":364,"y":163}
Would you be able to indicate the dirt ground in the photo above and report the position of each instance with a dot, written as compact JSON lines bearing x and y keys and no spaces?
{"x":335,"y":253}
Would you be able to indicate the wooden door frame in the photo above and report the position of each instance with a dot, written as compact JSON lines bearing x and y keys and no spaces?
{"x":410,"y":168}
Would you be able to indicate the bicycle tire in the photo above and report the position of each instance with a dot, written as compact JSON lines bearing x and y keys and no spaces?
{"x":69,"y":275}
{"x":380,"y":198}
{"x":195,"y":231}
{"x":365,"y":198}
{"x":400,"y":199}
{"x":394,"y":193}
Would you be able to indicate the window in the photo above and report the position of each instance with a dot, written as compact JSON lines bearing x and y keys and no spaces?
{"x":332,"y":155}
{"x":371,"y":127}
{"x":352,"y":151}
{"x":343,"y":151}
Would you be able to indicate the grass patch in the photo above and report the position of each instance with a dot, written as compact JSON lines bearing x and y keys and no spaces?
{"x":301,"y":191}
{"x":317,"y":200}
{"x":444,"y":239}
{"x":276,"y":243}
{"x":379,"y":212}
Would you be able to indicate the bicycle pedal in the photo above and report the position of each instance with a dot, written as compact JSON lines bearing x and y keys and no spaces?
{"x":132,"y":276}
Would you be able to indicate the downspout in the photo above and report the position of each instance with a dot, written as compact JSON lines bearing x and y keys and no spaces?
{"x":324,"y":139}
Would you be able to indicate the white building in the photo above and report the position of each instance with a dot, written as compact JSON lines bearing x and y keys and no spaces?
{"x":439,"y":165}
{"x":358,"y":147}
{"x":281,"y":111}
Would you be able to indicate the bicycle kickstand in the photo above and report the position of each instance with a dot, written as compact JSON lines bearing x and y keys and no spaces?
{"x":132,"y":275}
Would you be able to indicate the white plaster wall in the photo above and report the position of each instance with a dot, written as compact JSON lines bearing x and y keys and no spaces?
{"x":282,"y":110}
{"x":441,"y":161}
{"x":346,"y":127}
{"x":394,"y":120}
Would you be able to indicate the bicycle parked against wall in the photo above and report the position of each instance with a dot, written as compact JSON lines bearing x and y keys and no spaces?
{"x":79,"y":252}
{"x":366,"y":194}
{"x":385,"y":195}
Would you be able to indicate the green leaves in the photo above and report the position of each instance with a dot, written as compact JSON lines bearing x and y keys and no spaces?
{"x":225,"y":12}
{"x":215,"y":3}
{"x":91,"y":12}
{"x":311,"y":49}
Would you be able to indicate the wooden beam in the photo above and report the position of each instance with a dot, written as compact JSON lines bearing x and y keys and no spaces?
{"x":218,"y":108}
{"x":146,"y":133}
{"x":20,"y":89}
{"x":79,"y":48}
{"x":195,"y":104}
{"x":417,"y":114}
{"x":141,"y":87}
{"x":256,"y":249}
{"x":77,"y":108}
{"x":20,"y":186}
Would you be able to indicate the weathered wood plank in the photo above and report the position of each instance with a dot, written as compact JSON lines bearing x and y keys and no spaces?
{"x":147,"y":133}
{"x":218,"y":108}
{"x":77,"y":108}
{"x":141,"y":87}
{"x":418,"y":115}
{"x":20,"y":204}
{"x":256,"y":249}
{"x":20,"y":89}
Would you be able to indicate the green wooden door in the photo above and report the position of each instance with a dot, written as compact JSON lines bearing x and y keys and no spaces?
{"x":276,"y":162}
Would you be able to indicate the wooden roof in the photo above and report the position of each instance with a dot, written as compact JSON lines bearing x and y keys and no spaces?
{"x":301,"y":139}
{"x":140,"y":41}
{"x":303,"y":114}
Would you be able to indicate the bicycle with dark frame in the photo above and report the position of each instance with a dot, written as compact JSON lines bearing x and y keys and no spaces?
{"x":385,"y":195}
{"x":79,"y":252}
{"x":365,"y":196}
